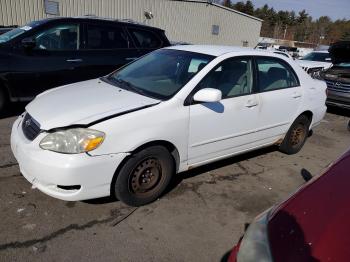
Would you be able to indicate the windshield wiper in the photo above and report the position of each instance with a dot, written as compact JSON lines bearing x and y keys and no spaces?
{"x":128,"y":86}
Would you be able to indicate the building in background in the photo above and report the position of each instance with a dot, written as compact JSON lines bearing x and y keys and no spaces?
{"x":191,"y":21}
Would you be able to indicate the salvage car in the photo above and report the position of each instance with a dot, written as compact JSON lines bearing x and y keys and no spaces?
{"x":315,"y":62}
{"x":56,"y":51}
{"x":338,"y":76}
{"x":311,"y":225}
{"x":176,"y":108}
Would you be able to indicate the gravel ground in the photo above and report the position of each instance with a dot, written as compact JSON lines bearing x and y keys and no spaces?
{"x":199,"y":219}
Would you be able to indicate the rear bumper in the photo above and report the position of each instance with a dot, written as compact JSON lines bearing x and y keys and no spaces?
{"x":339,"y":99}
{"x":49,"y":171}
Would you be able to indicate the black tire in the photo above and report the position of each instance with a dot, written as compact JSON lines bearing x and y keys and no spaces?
{"x":145,"y":176}
{"x":3,"y":101}
{"x":296,"y":136}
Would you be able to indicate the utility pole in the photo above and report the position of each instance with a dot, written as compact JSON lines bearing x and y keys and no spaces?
{"x":285,"y":32}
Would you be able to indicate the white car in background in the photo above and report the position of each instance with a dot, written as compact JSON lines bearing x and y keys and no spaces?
{"x":176,"y":108}
{"x":315,"y":61}
{"x":286,"y":54}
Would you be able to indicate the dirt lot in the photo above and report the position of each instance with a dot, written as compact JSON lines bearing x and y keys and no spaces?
{"x":199,"y":219}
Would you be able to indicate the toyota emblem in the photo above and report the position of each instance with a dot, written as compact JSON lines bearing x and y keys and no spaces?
{"x":337,"y":84}
{"x":27,"y":122}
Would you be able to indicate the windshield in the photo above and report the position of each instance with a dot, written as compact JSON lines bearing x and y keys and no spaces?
{"x":160,"y":74}
{"x":17,"y":31}
{"x":320,"y":57}
{"x":344,"y":65}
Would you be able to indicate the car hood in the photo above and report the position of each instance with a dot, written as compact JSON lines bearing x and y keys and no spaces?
{"x":313,"y":223}
{"x":313,"y":64}
{"x":340,"y":52}
{"x":84,"y":103}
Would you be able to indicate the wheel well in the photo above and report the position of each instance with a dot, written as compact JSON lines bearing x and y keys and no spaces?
{"x":169,"y":146}
{"x":308,"y":114}
{"x":4,"y":89}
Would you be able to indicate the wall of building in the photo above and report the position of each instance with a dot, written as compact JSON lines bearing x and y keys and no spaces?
{"x":188,"y":21}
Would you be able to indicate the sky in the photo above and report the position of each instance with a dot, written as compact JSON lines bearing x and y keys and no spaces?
{"x":335,"y":9}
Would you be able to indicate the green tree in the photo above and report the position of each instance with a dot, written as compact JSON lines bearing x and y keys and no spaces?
{"x":227,"y":3}
{"x":292,"y":26}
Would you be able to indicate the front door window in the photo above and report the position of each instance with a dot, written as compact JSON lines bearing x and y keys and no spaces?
{"x":233,"y":77}
{"x":61,"y":37}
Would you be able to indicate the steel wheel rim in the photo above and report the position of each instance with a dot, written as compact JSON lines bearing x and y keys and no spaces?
{"x":297,"y":135}
{"x":145,"y":177}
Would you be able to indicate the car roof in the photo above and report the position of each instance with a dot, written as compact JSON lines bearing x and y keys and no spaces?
{"x":214,"y":50}
{"x":219,"y":50}
{"x":99,"y":19}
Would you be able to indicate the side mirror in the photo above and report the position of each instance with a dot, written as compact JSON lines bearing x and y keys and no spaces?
{"x":208,"y":95}
{"x":28,"y":43}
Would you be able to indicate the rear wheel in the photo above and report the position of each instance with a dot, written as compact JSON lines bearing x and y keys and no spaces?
{"x":145,"y":176}
{"x":296,"y":136}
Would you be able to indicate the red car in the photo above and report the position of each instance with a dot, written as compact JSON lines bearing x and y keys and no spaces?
{"x":311,"y":225}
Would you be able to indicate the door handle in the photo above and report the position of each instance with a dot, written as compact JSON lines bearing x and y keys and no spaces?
{"x":131,"y":58}
{"x":296,"y":95}
{"x":251,"y":103}
{"x":77,"y":60}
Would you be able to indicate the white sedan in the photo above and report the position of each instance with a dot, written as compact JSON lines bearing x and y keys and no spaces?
{"x":315,"y":61}
{"x":176,"y":108}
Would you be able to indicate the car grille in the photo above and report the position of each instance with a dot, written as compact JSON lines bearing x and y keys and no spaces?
{"x":338,"y":86}
{"x":30,"y":127}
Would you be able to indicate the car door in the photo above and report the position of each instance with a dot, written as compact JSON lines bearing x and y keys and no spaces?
{"x":107,"y":46}
{"x":279,"y":96}
{"x":51,"y":61}
{"x":146,"y":40}
{"x":225,"y":127}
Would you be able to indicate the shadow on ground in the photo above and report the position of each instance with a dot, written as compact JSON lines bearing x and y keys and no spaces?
{"x":338,"y":111}
{"x":178,"y":178}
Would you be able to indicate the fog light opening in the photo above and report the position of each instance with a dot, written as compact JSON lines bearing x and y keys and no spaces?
{"x":74,"y":187}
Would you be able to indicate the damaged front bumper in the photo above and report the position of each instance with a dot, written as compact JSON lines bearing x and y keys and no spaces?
{"x":70,"y":177}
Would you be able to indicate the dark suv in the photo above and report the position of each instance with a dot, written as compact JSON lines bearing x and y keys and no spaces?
{"x":57,"y":51}
{"x":337,"y":77}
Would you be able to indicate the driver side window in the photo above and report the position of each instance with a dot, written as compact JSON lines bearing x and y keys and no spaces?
{"x":233,"y":77}
{"x":60,"y":37}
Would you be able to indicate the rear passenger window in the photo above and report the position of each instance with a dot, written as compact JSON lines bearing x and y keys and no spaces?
{"x":274,"y":74}
{"x":145,"y":39}
{"x":106,"y":37}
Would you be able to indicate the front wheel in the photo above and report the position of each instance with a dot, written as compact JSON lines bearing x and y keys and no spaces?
{"x":145,"y":176}
{"x":296,"y":136}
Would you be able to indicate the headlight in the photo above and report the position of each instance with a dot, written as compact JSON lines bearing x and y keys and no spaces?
{"x":255,"y":244}
{"x":316,"y":72}
{"x":72,"y":141}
